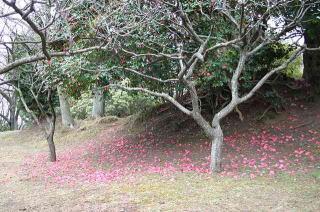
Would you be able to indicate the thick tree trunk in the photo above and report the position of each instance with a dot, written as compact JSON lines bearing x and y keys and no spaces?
{"x":216,"y":149}
{"x":66,"y":116}
{"x":98,"y":108}
{"x":311,"y":59}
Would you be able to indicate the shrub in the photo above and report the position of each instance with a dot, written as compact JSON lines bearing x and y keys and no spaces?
{"x":81,"y":108}
{"x":121,"y":103}
{"x":295,"y":69}
{"x":3,"y":126}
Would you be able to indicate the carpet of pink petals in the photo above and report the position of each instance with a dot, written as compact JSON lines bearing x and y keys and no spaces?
{"x":269,"y":152}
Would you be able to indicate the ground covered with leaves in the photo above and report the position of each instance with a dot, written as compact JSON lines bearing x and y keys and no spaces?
{"x":273,"y":165}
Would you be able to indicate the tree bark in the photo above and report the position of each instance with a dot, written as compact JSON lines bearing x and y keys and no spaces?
{"x":51,"y":120}
{"x":216,"y":149}
{"x":67,"y":119}
{"x":98,"y":108}
{"x":52,"y":148}
{"x":311,"y":59}
{"x":14,"y":113}
{"x":12,"y":117}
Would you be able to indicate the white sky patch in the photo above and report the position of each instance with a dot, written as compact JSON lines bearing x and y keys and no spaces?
{"x":293,"y":37}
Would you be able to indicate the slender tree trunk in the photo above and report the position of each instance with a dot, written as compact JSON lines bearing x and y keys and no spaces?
{"x":51,"y":120}
{"x":12,"y":118}
{"x":66,"y":116}
{"x":216,"y":149}
{"x":14,"y":113}
{"x":16,"y":120}
{"x":52,"y":148}
{"x":98,"y":108}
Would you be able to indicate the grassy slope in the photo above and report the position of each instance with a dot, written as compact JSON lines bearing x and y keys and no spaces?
{"x":148,"y":192}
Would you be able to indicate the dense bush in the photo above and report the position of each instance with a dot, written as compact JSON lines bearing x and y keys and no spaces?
{"x":121,"y":103}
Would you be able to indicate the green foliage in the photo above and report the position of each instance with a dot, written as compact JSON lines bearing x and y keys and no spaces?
{"x":217,"y":70}
{"x":3,"y":126}
{"x":118,"y":103}
{"x":149,"y":28}
{"x":316,"y":174}
{"x":123,"y":103}
{"x":82,"y":106}
{"x":294,"y":70}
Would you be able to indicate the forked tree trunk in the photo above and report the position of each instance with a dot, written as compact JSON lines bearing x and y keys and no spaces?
{"x":216,"y":149}
{"x":66,"y":116}
{"x":98,"y":108}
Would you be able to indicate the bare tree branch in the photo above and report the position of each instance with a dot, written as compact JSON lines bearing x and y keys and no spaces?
{"x":5,"y":118}
{"x":6,"y":96}
{"x":34,"y":27}
{"x":162,"y":95}
{"x":26,"y":60}
{"x":270,"y":73}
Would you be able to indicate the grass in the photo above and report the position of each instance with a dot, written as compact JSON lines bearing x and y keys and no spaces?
{"x":143,"y":192}
{"x":316,"y":174}
{"x":87,"y":129}
{"x":191,"y":192}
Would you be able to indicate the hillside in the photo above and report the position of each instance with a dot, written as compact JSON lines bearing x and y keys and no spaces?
{"x":162,"y":165}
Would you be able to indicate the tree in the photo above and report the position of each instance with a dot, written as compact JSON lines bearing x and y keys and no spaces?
{"x":35,"y":27}
{"x":37,"y":96}
{"x":8,"y":94}
{"x":98,"y":108}
{"x":10,"y":112}
{"x":187,"y":34}
{"x":66,"y":115}
{"x":312,"y":40}
{"x":43,"y":24}
{"x":32,"y":25}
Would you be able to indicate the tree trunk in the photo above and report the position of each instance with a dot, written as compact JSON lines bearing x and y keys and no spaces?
{"x":13,"y":122}
{"x":52,"y":148}
{"x":51,"y":120}
{"x":14,"y":113}
{"x":216,"y":149}
{"x":66,"y":116}
{"x":311,"y":59}
{"x":98,"y":108}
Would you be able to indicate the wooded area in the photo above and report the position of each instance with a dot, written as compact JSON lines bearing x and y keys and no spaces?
{"x":207,"y":60}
